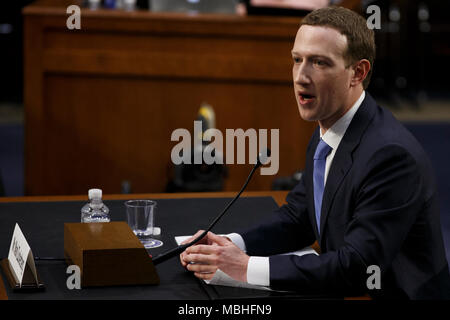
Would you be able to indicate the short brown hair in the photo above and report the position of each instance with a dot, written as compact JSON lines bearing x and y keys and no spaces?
{"x":360,"y":39}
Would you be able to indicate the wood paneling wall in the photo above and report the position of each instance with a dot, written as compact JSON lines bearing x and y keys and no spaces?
{"x":101,"y":102}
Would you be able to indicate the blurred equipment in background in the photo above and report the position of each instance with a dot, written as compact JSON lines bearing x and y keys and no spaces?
{"x":128,"y":5}
{"x":125,"y":187}
{"x":199,"y":177}
{"x":194,"y":6}
{"x":287,"y":183}
{"x":284,"y":7}
{"x":186,"y":6}
{"x":412,"y":50}
{"x":11,"y":56}
{"x":2,"y":190}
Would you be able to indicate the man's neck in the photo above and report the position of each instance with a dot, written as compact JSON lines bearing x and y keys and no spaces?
{"x":329,"y":122}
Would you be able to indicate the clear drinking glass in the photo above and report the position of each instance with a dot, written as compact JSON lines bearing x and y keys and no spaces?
{"x":140,"y":218}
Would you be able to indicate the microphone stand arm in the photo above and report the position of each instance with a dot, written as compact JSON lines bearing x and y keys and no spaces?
{"x":178,"y":250}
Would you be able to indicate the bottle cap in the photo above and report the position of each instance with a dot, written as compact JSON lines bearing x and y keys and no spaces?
{"x":95,"y":194}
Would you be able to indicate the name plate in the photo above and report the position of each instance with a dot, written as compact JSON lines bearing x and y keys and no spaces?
{"x":19,"y":267}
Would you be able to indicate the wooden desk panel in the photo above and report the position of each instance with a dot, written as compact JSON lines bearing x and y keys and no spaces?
{"x":3,"y":295}
{"x":278,"y":196}
{"x":101,"y":102}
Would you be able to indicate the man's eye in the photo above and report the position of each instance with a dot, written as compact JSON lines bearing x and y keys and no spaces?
{"x":296,"y":60}
{"x":320,"y":63}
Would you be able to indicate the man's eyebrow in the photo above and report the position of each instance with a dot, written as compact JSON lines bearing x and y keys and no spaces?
{"x":313,"y":56}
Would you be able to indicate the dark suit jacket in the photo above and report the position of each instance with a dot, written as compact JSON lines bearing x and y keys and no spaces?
{"x":379,"y":208}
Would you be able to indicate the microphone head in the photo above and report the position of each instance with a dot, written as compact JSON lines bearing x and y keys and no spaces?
{"x":263,"y":156}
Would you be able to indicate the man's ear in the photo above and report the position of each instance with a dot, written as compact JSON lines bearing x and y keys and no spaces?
{"x":361,"y":70}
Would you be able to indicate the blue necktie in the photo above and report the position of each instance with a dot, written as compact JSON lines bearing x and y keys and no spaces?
{"x":320,"y":156}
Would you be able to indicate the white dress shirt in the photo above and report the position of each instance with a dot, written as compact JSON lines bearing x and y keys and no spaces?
{"x":258,"y":268}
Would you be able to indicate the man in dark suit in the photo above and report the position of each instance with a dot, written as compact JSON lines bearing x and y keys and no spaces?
{"x":367,"y":194}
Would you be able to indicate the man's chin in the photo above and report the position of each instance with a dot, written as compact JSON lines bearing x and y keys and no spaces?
{"x":308,"y":116}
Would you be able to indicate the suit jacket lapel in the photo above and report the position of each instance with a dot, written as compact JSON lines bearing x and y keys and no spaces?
{"x":342,"y":161}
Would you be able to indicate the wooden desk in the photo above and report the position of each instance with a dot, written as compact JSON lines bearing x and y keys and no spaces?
{"x":101,"y":102}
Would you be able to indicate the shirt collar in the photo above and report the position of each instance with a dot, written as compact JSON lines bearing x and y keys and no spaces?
{"x":334,"y":135}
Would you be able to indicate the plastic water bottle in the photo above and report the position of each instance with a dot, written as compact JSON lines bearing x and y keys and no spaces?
{"x":95,"y":210}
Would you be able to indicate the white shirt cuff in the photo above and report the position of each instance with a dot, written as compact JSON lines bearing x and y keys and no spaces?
{"x":237,"y":239}
{"x":258,"y":271}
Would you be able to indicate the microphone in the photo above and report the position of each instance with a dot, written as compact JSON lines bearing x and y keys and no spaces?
{"x":261,"y":160}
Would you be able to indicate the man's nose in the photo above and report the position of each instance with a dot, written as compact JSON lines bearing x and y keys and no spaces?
{"x":301,"y":74}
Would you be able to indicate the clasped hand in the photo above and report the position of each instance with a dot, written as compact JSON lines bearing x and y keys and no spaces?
{"x":214,"y":252}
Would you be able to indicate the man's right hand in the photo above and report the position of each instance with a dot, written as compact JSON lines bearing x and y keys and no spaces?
{"x":206,"y":240}
{"x":215,"y":252}
{"x":202,"y":241}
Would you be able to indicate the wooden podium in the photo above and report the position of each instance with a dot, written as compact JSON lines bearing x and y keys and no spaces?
{"x":144,"y":74}
{"x":108,"y":254}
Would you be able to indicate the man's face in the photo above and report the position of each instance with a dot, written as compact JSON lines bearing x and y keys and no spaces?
{"x":321,"y":79}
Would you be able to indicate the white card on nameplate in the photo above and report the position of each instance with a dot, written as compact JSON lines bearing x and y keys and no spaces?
{"x":20,"y":256}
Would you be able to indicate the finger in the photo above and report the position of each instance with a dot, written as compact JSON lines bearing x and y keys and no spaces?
{"x":185,"y":259}
{"x":198,"y":233}
{"x":202,"y":249}
{"x":218,"y":239}
{"x":203,"y":268}
{"x":182,"y":259}
{"x":200,"y":258}
{"x":204,"y":276}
